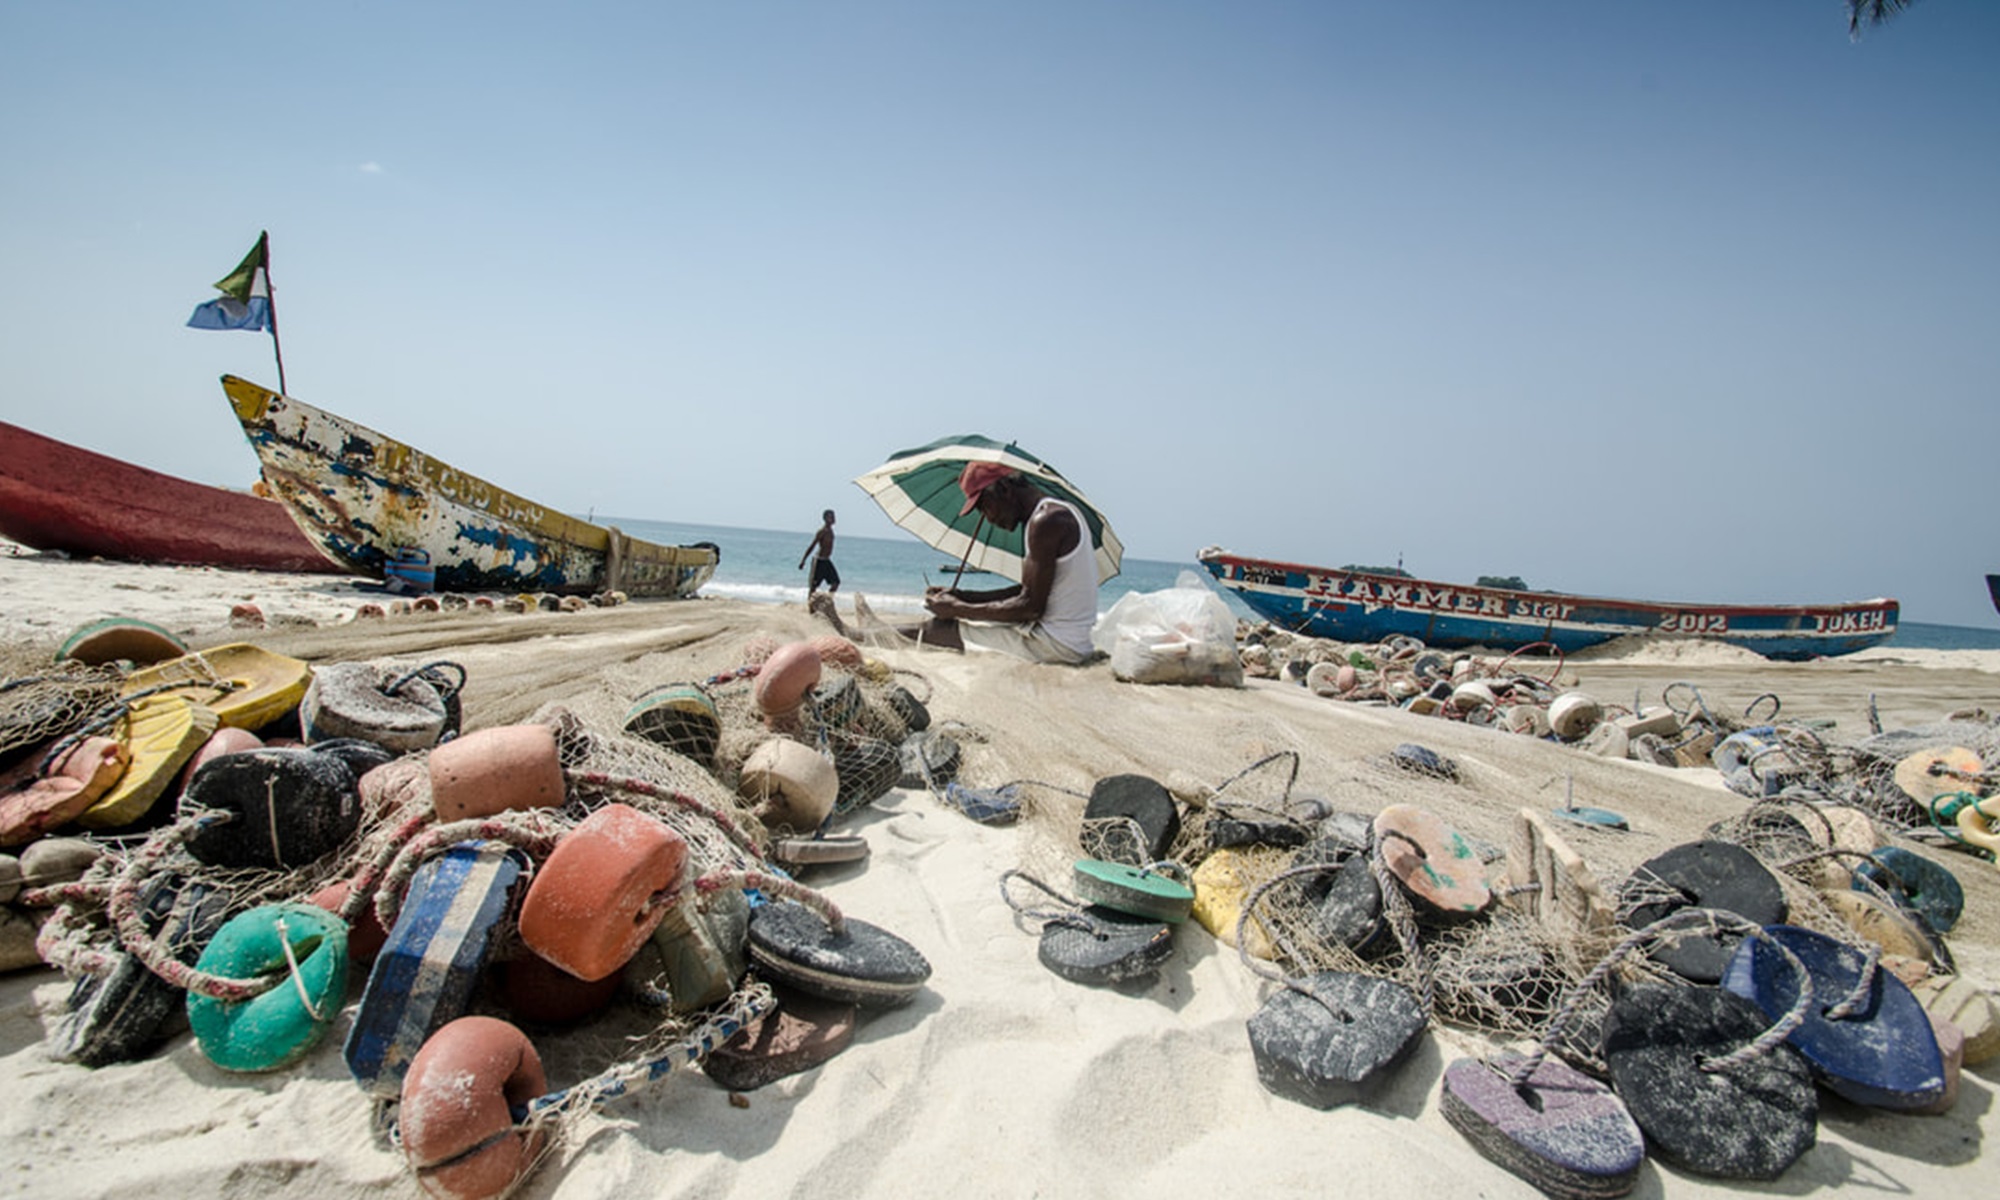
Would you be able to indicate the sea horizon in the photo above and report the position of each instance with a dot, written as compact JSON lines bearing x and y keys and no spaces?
{"x":761,"y":566}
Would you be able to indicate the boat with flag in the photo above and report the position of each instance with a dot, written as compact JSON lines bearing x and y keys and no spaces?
{"x":371,"y":502}
{"x":56,"y":496}
{"x":1353,"y":604}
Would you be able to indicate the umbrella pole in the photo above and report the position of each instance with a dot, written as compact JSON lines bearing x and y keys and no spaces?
{"x":962,"y":560}
{"x":967,"y":556}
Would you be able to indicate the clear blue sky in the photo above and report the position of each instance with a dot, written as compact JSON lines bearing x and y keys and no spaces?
{"x":1640,"y":299}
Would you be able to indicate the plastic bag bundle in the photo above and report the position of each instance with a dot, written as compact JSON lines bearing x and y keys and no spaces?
{"x":1184,"y":634}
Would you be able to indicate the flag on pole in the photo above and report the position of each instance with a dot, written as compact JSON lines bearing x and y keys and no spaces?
{"x":245,"y":302}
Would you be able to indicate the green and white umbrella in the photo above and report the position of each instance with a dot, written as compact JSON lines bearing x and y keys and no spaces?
{"x":919,"y":490}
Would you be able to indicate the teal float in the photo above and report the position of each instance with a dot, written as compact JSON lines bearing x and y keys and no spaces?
{"x":306,"y":947}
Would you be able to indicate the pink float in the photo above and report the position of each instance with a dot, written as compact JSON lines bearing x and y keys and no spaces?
{"x":495,"y":770}
{"x":458,"y":1132}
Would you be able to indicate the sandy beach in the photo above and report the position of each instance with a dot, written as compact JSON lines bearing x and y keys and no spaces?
{"x":999,"y":1079}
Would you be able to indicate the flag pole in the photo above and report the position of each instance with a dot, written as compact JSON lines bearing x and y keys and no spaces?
{"x":271,"y":297}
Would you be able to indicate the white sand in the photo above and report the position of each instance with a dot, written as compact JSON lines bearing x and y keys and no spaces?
{"x":1000,"y":1079}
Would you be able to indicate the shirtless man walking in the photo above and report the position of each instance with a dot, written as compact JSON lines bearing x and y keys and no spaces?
{"x":823,"y":569}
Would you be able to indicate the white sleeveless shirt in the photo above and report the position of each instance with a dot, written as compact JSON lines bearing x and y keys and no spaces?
{"x":1072,"y":606}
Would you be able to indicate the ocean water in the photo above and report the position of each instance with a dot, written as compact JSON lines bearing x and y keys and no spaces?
{"x":763,"y":565}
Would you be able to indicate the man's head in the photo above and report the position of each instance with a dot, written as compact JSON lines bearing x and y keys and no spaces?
{"x":980,"y":478}
{"x":827,"y":516}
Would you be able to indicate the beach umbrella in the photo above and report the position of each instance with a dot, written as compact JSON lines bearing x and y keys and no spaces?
{"x":919,"y":490}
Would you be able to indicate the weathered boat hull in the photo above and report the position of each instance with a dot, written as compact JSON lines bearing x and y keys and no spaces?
{"x":363,"y":497}
{"x":55,"y":496}
{"x":1993,"y":590}
{"x":1362,"y":606}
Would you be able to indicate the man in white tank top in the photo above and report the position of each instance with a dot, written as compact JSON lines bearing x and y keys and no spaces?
{"x":1048,"y":615}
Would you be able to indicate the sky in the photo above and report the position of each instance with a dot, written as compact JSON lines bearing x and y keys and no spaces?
{"x":1644,"y":300}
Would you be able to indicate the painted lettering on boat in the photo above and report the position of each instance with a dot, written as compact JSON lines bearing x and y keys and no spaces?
{"x":1694,"y":622}
{"x":1433,"y":597}
{"x":1850,"y":622}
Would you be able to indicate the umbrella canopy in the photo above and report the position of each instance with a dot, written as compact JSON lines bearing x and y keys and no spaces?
{"x":919,"y":490}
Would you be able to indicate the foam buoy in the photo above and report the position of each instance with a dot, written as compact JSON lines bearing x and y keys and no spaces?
{"x":121,"y":1015}
{"x":509,"y":767}
{"x":791,"y":785}
{"x":679,"y":716}
{"x":1977,"y":828}
{"x":602,"y":891}
{"x":696,"y":955}
{"x":1222,"y":884}
{"x":391,"y":707}
{"x":1969,"y":1007}
{"x":457,"y":1119}
{"x":783,"y":681}
{"x":304,"y":945}
{"x":541,"y":993}
{"x":1928,"y":774}
{"x":1422,"y":760}
{"x":837,"y":650}
{"x":424,"y":976}
{"x":289,"y":806}
{"x":1551,"y":883}
{"x":858,"y":964}
{"x":403,"y":784}
{"x":1573,"y":714}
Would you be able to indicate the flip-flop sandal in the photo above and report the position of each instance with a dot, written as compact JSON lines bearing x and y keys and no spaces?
{"x":1864,"y":1034}
{"x":1333,"y":1037}
{"x":1140,"y":891}
{"x":859,"y":963}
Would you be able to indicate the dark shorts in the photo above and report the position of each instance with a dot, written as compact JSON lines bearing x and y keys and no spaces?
{"x":823,"y":572}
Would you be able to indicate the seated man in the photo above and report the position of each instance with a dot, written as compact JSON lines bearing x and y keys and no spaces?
{"x":1045,"y":618}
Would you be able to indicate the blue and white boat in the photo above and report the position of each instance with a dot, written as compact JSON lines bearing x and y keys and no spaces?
{"x":1352,"y":605}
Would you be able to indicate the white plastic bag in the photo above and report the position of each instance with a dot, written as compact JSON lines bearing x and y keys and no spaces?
{"x":1185,"y":634}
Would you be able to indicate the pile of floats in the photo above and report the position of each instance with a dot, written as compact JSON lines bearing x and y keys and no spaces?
{"x":234,"y":839}
{"x":1903,"y":779}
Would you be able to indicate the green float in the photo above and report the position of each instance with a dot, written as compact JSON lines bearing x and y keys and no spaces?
{"x":277,"y":1027}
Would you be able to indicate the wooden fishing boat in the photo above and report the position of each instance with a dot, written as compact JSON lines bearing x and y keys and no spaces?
{"x":1993,"y":590}
{"x":365,"y":499}
{"x":55,"y":496}
{"x":1353,"y":605}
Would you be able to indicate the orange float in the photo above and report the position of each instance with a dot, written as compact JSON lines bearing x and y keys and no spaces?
{"x":541,"y":993}
{"x":495,"y":770}
{"x":602,"y":891}
{"x":458,"y":1132}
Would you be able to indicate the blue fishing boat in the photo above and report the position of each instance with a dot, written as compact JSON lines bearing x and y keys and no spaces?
{"x":1351,"y":604}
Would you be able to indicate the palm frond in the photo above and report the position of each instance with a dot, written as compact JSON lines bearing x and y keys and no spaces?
{"x":1874,"y":12}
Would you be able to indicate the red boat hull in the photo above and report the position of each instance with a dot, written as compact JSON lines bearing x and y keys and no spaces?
{"x":55,"y":496}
